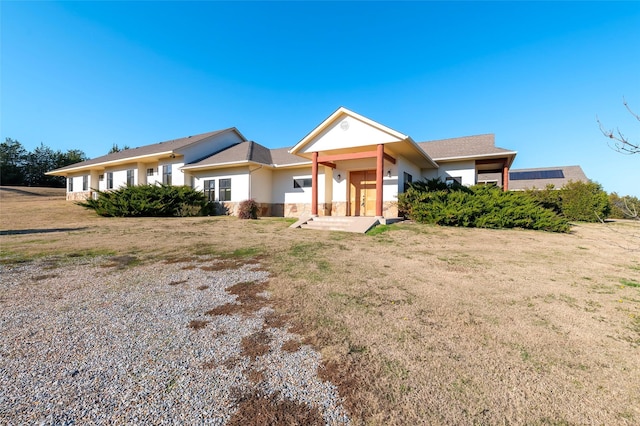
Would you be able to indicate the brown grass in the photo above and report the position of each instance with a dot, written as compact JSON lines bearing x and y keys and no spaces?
{"x":198,"y":324}
{"x":420,"y":324}
{"x":291,"y":345}
{"x":256,"y":344}
{"x":259,"y":409}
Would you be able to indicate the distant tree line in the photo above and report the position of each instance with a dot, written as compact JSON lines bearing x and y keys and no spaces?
{"x":19,"y":167}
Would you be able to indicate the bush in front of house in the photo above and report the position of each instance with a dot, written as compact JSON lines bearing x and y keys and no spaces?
{"x":577,"y":201}
{"x":147,"y":201}
{"x":477,"y":206}
{"x":584,"y":201}
{"x":549,"y":197}
{"x":248,"y":209}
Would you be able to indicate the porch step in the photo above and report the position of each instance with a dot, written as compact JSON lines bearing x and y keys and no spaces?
{"x":340,"y":223}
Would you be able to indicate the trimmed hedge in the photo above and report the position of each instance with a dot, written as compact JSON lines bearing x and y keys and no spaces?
{"x":148,"y":201}
{"x":477,"y":206}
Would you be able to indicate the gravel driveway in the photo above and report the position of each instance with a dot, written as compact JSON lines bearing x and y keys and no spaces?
{"x":107,"y":340}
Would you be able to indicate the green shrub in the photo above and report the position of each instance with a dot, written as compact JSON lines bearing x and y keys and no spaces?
{"x":477,"y":206}
{"x":248,"y":209}
{"x":549,"y":197}
{"x":626,"y":207}
{"x":147,"y":201}
{"x":584,"y":201}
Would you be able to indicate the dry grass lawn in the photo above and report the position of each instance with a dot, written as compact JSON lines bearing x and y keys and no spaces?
{"x":418,"y":324}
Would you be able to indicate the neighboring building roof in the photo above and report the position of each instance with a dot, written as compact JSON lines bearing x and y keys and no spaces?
{"x":540,"y":177}
{"x":464,"y":147}
{"x":169,"y":146}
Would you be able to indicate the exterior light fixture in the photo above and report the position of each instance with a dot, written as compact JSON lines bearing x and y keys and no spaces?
{"x":389,"y":173}
{"x":339,"y":177}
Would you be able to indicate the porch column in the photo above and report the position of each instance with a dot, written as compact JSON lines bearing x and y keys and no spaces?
{"x":505,"y":177}
{"x":314,"y":184}
{"x":379,"y":174}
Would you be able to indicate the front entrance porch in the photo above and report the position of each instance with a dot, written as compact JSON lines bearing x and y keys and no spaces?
{"x":365,"y":190}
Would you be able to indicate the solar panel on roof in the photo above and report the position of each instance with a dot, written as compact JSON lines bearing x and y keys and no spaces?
{"x":537,"y":174}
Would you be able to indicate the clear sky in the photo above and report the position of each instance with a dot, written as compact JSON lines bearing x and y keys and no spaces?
{"x":86,"y":75}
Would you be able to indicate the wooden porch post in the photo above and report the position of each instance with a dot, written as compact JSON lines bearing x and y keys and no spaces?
{"x":379,"y":174}
{"x":505,"y":177}
{"x":314,"y":184}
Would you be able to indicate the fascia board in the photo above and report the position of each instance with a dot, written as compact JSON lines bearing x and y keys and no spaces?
{"x":106,"y":164}
{"x":469,"y":157}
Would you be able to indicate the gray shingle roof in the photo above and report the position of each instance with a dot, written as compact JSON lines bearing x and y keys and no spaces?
{"x":156,"y":148}
{"x":250,"y":151}
{"x":243,"y":151}
{"x":467,"y":146}
{"x":573,"y":173}
{"x":282,"y":157}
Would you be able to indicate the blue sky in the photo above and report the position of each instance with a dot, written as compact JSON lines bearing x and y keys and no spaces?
{"x":86,"y":75}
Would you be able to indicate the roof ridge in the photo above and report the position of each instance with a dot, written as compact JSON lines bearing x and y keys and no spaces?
{"x":461,"y":137}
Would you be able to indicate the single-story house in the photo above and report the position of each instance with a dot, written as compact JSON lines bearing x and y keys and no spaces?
{"x":349,"y":165}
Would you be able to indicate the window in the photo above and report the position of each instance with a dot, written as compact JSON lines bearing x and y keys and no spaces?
{"x":70,"y":184}
{"x":100,"y":178}
{"x":110,"y":180}
{"x":151,"y":172}
{"x":166,"y":174}
{"x":407,"y":181}
{"x":85,"y":183}
{"x":455,"y":179}
{"x":225,"y":190}
{"x":210,"y":190}
{"x":302,"y":183}
{"x":130,"y":177}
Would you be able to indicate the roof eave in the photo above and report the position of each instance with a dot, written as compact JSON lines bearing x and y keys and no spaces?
{"x":511,"y":154}
{"x":105,"y":164}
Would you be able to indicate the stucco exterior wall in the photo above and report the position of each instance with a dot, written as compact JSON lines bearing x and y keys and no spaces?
{"x":348,"y":132}
{"x":463,"y":169}
{"x":261,"y":185}
{"x":239,"y":181}
{"x":285,"y":193}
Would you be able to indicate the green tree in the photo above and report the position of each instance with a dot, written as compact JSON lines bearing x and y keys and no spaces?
{"x":116,"y":148}
{"x":12,"y":162}
{"x":584,"y":201}
{"x":39,"y":161}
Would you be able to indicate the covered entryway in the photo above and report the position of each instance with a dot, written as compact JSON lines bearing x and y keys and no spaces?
{"x":362,"y":193}
{"x":355,"y":164}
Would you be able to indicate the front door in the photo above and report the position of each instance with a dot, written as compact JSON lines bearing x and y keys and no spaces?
{"x":362,"y":193}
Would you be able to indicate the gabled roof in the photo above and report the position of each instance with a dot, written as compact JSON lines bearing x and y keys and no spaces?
{"x":243,"y":152}
{"x":160,"y":148}
{"x":540,"y":177}
{"x":338,"y":114}
{"x":249,"y":152}
{"x":328,"y":139}
{"x":464,"y":147}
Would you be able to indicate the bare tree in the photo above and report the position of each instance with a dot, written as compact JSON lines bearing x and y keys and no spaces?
{"x":617,"y":140}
